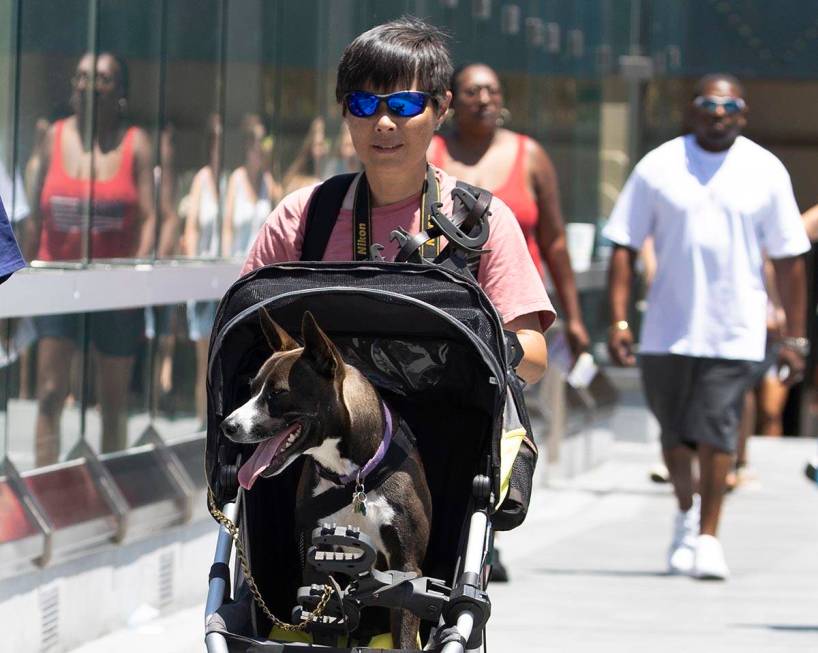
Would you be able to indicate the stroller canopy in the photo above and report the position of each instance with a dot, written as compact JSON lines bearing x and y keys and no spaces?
{"x":423,"y":335}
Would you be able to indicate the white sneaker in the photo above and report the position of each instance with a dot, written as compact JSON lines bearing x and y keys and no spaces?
{"x":710,"y":563}
{"x":682,"y":553}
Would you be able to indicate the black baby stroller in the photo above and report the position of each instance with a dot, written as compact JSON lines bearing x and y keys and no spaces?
{"x":433,"y":345}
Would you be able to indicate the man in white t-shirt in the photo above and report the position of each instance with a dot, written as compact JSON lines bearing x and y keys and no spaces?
{"x":715,"y":204}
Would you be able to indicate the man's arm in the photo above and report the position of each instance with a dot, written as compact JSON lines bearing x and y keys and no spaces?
{"x":551,"y":241}
{"x":791,"y":281}
{"x":535,"y":353}
{"x":620,"y":278}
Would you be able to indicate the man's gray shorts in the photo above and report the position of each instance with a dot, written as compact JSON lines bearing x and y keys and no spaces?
{"x":696,"y":400}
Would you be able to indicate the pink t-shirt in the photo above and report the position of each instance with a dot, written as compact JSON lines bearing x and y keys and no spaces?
{"x":507,"y":274}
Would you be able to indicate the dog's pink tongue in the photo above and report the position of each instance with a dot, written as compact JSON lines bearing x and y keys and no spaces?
{"x":261,"y":459}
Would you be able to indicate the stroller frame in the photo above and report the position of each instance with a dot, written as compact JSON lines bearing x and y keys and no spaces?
{"x":462,"y":610}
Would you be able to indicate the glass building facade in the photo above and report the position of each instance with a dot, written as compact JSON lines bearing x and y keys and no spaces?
{"x":103,"y":340}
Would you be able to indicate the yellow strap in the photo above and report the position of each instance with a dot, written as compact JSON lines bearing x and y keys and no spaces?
{"x":510,"y":444}
{"x":384,"y":640}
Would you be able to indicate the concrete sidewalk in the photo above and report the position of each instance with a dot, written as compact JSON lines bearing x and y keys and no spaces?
{"x":588,"y":569}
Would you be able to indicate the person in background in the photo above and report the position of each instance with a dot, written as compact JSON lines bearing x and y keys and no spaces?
{"x":308,"y":166}
{"x":201,"y":240}
{"x":161,"y":322}
{"x":810,"y":219}
{"x":715,"y":203}
{"x":343,"y":158}
{"x":480,"y":151}
{"x":113,"y":172}
{"x":13,"y":333}
{"x":251,"y":192}
{"x":11,"y":259}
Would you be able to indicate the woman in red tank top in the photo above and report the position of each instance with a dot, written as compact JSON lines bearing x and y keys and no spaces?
{"x":478,"y":151}
{"x":103,"y":189}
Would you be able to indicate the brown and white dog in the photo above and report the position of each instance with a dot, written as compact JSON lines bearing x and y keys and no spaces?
{"x":305,"y":400}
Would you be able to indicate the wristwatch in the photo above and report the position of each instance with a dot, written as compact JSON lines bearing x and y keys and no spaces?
{"x":799,"y":345}
{"x":620,"y":325}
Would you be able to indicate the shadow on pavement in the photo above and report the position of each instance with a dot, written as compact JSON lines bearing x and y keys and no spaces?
{"x":791,"y":628}
{"x":614,"y":573}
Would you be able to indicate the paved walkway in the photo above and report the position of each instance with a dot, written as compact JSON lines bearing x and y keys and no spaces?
{"x":588,"y":569}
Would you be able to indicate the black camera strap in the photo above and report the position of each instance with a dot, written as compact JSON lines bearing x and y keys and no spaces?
{"x":362,"y":217}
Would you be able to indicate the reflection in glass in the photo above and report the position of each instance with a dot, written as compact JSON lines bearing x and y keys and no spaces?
{"x":165,"y":182}
{"x":309,"y":163}
{"x":113,"y":340}
{"x":94,"y":190}
{"x":251,"y":192}
{"x":173,"y":373}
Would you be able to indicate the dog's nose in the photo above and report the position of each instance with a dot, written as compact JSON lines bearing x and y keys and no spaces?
{"x":230,"y":427}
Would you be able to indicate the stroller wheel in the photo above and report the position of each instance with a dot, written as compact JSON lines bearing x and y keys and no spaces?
{"x":499,"y":573}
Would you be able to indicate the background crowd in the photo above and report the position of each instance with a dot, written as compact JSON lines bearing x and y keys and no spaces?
{"x":97,"y":166}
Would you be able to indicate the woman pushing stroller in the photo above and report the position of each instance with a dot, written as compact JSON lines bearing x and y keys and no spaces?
{"x":392,"y":85}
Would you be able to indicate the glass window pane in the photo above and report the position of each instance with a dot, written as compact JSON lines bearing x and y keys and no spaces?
{"x":12,"y":193}
{"x":254,"y":185}
{"x":118,"y":381}
{"x":179,"y":336}
{"x":193,"y":104}
{"x":130,"y":137}
{"x":53,"y":126}
{"x":45,"y":399}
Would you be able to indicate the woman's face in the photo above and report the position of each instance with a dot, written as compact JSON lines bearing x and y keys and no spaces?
{"x":106,"y":84}
{"x":253,"y":152}
{"x":389,"y":143}
{"x":318,"y":144}
{"x":479,"y":98}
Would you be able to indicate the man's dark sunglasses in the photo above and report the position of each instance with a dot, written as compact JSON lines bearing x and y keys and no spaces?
{"x":404,"y":104}
{"x":710,"y":104}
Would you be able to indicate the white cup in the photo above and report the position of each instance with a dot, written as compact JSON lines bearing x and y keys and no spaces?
{"x":579,"y":237}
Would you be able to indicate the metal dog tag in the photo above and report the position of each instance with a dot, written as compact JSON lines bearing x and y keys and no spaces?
{"x":359,"y":499}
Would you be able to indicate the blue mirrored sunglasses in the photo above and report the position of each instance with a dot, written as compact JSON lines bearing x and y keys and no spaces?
{"x":710,"y":103}
{"x":403,"y":104}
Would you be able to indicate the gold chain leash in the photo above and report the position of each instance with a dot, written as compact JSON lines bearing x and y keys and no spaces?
{"x":233,"y":530}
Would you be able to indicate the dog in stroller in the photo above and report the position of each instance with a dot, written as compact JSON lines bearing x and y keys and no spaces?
{"x":419,"y":345}
{"x":307,"y":401}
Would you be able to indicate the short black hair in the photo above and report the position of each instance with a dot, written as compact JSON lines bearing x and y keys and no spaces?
{"x":394,"y":55}
{"x":705,"y":81}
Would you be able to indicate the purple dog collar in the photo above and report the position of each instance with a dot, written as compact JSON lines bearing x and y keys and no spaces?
{"x":373,"y":462}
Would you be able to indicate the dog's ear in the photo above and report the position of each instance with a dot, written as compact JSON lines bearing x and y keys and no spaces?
{"x":318,"y":348}
{"x":276,"y":337}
